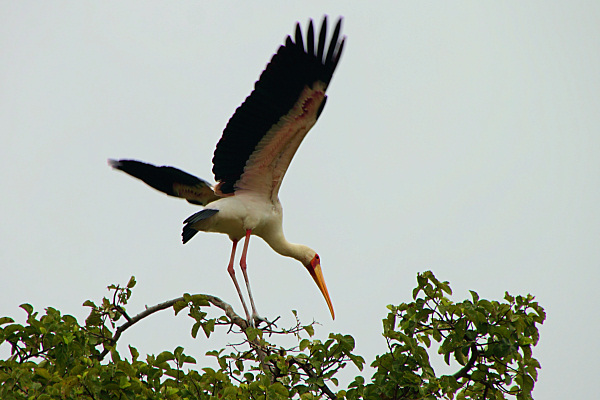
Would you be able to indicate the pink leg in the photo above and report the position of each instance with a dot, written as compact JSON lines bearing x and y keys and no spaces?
{"x":243,"y":266}
{"x":235,"y":282}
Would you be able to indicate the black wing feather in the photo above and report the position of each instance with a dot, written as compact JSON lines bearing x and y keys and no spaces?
{"x":291,"y":69}
{"x":169,"y":180}
{"x":299,"y":42}
{"x":322,"y":35}
{"x":334,"y":41}
{"x":310,"y":39}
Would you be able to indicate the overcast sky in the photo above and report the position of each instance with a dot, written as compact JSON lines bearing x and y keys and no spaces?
{"x":460,"y":138}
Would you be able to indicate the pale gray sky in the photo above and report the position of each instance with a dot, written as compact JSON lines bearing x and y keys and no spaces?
{"x":461,"y":138}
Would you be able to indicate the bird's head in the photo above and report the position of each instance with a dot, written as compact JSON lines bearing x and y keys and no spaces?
{"x":314,"y":269}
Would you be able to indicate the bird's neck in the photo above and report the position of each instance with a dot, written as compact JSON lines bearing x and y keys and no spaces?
{"x":279,"y":243}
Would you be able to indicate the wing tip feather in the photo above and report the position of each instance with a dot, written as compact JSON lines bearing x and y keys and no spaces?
{"x":115,"y":164}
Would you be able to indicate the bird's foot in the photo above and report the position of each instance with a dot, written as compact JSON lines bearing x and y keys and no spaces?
{"x":257,"y":320}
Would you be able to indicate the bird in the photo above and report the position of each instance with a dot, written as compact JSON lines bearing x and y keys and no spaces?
{"x":253,"y":155}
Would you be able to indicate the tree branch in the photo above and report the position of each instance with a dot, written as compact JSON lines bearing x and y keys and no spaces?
{"x":464,"y":371}
{"x":217,"y":302}
{"x":307,"y":368}
{"x":261,"y":351}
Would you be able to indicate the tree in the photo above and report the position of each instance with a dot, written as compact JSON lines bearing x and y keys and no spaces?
{"x":53,"y":356}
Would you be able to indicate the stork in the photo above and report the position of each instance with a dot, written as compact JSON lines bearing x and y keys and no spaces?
{"x":253,"y":154}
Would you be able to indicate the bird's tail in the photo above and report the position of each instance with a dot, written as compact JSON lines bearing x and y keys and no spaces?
{"x":188,"y":230}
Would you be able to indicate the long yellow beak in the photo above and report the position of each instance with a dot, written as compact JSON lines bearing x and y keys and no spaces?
{"x":320,"y":281}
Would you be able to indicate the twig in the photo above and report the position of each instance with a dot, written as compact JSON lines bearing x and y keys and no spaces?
{"x":122,"y":311}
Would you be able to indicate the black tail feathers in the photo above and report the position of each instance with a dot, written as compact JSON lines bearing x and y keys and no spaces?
{"x":188,"y":230}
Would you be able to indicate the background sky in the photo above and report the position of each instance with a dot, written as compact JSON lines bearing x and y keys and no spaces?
{"x":461,"y":138}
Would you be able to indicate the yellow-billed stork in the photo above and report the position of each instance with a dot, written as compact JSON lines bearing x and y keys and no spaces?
{"x":254,"y":153}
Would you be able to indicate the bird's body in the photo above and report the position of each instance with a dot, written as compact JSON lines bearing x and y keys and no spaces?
{"x":242,"y":212}
{"x":254,"y":153}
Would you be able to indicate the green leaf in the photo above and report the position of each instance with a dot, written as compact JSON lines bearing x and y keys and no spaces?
{"x":437,"y":335}
{"x":180,"y":305}
{"x":6,"y":320}
{"x":27,"y":307}
{"x":425,"y":339}
{"x":114,"y":355}
{"x":279,"y":389}
{"x":195,"y":329}
{"x":131,"y":282}
{"x":43,"y":372}
{"x":252,"y":333}
{"x":164,"y":356}
{"x":478,"y":375}
{"x":309,"y":329}
{"x":304,"y":343}
{"x":230,"y":391}
{"x":348,"y":342}
{"x":445,"y":286}
{"x":94,"y":319}
{"x":446,"y":356}
{"x":124,"y":382}
{"x":460,"y":328}
{"x":208,"y":327}
{"x":89,"y":303}
{"x":200,"y":300}
{"x":415,"y":292}
{"x":178,"y":352}
{"x":10,"y":329}
{"x":475,"y":296}
{"x":134,"y":353}
{"x":358,"y":361}
{"x":188,"y":359}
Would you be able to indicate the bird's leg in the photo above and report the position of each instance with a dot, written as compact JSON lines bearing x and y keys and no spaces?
{"x":255,"y":315}
{"x":235,"y":282}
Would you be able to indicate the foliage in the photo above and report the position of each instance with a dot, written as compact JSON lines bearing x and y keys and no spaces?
{"x":54,"y":357}
{"x":491,"y":341}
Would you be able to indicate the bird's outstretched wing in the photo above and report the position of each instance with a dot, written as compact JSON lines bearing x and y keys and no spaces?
{"x":263,"y":135}
{"x":169,"y":180}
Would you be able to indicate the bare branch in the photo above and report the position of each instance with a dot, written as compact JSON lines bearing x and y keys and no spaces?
{"x":217,"y":302}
